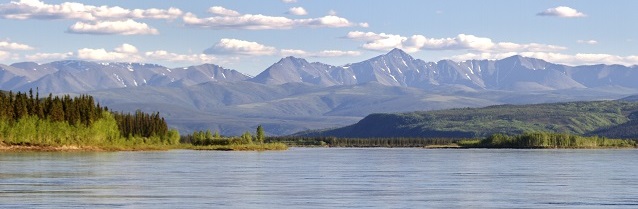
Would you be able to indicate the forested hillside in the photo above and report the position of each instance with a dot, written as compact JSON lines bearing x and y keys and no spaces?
{"x":573,"y":117}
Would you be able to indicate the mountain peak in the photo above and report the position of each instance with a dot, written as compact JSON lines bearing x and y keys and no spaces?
{"x":397,"y":51}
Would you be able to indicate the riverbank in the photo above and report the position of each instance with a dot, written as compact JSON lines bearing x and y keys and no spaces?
{"x":539,"y":140}
{"x":31,"y":148}
{"x":244,"y":147}
{"x":113,"y":148}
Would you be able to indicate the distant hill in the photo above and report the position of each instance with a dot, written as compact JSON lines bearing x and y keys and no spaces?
{"x":571,"y":117}
{"x":633,"y":98}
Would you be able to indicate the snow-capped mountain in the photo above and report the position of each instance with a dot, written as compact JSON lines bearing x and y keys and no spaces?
{"x":294,"y":94}
{"x":397,"y":68}
{"x":81,"y":76}
{"x":296,"y":70}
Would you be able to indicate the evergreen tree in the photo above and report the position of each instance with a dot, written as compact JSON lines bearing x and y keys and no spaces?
{"x":260,"y":134}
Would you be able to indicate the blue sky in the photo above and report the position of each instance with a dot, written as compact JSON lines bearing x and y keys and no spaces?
{"x":250,"y":35}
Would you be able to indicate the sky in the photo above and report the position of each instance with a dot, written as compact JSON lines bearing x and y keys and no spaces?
{"x":251,"y":35}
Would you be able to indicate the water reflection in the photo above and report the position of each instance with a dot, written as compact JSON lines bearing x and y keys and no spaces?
{"x":322,"y":178}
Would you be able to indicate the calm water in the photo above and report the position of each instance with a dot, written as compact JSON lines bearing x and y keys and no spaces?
{"x":322,"y":178}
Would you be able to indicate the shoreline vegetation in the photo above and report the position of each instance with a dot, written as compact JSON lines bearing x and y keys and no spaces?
{"x":538,"y":140}
{"x":52,"y":124}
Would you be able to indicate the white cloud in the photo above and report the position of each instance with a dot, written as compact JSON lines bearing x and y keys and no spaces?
{"x":5,"y":45}
{"x":153,"y":13}
{"x":293,"y":52}
{"x":221,"y":11}
{"x":297,"y":11}
{"x":123,"y":53}
{"x":162,"y":55}
{"x":263,"y":22}
{"x":568,"y":59}
{"x":364,"y":25}
{"x":561,"y":11}
{"x":324,"y":53}
{"x":4,"y":55}
{"x":337,"y":53}
{"x":378,"y":42}
{"x":48,"y":56}
{"x":590,"y":42}
{"x":326,"y":21}
{"x":35,"y":9}
{"x":386,"y":42}
{"x":127,"y":27}
{"x":127,"y":49}
{"x":332,"y":12}
{"x":289,"y":1}
{"x":235,"y":46}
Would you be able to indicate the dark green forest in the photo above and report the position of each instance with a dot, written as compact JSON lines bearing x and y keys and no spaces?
{"x":28,"y":119}
{"x":546,"y":140}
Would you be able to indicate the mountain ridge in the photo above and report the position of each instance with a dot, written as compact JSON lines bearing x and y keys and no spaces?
{"x":395,"y":68}
{"x":294,"y":94}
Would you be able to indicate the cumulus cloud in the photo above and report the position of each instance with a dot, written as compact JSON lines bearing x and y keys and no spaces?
{"x":241,"y":47}
{"x":48,"y":56}
{"x":297,"y":11}
{"x":590,"y":42}
{"x":123,"y":53}
{"x":289,"y":1}
{"x":235,"y":46}
{"x":324,"y":53}
{"x":35,"y":9}
{"x":5,"y":45}
{"x":378,"y":42}
{"x":127,"y":27}
{"x":263,"y":22}
{"x":568,"y":59}
{"x":337,"y":53}
{"x":173,"y":57}
{"x":561,"y":11}
{"x":127,"y":49}
{"x":386,"y":42}
{"x":221,"y":11}
{"x":293,"y":52}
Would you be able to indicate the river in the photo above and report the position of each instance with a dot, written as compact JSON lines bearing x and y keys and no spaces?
{"x":322,"y":178}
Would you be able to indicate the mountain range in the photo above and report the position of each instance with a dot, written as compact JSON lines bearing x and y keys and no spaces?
{"x":294,"y":95}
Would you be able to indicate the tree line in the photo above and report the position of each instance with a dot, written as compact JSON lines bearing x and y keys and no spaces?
{"x":362,"y":142}
{"x":545,"y":140}
{"x":25,"y":118}
{"x":208,"y":138}
{"x":78,"y":110}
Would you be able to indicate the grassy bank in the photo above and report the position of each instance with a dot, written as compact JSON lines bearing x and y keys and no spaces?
{"x":362,"y":142}
{"x":546,"y":141}
{"x":538,"y":140}
{"x":243,"y":147}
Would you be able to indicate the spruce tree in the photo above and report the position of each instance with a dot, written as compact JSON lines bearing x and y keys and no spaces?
{"x":260,"y":134}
